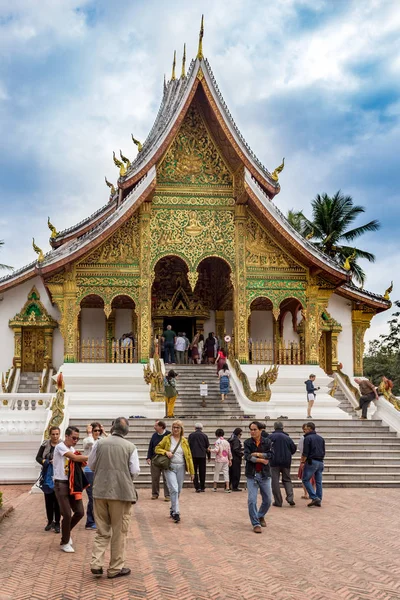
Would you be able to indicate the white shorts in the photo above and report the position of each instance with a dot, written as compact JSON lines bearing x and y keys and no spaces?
{"x":310,"y":397}
{"x":221,"y":468}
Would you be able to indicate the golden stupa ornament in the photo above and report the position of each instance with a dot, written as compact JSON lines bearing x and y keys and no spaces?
{"x":386,"y":295}
{"x":173,"y":76}
{"x":275,"y":174}
{"x":183,"y":73}
{"x":118,"y":163}
{"x":125,"y":159}
{"x":201,"y":34}
{"x":54,"y":232}
{"x":348,"y":261}
{"x":111,"y":186}
{"x":38,"y":251}
{"x":137,"y":143}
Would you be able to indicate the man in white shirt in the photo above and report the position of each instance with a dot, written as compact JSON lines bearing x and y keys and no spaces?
{"x":180,"y":346}
{"x":115,"y":463}
{"x":63,"y":454}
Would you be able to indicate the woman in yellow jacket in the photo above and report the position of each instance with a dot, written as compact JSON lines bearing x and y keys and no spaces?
{"x":176,"y":447}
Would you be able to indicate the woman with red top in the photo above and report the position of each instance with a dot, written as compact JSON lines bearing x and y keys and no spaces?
{"x":221,"y":359}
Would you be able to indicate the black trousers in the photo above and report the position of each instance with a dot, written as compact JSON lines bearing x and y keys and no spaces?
{"x":199,"y":480}
{"x":52,"y":508}
{"x":365,"y":401}
{"x":234,"y":472}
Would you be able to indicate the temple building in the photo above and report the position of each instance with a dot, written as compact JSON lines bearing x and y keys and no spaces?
{"x":191,"y":236}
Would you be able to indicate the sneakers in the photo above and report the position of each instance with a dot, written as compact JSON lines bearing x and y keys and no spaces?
{"x":198,"y":491}
{"x":57,"y":528}
{"x":49,"y":526}
{"x":176,"y":517}
{"x":262,"y":522}
{"x":154,"y":497}
{"x":257,"y":529}
{"x":67,"y":548}
{"x":315,"y":502}
{"x":97,"y":572}
{"x":227,"y":491}
{"x":292,"y":503}
{"x":167,"y":498}
{"x":92,"y":526}
{"x":121,"y":573}
{"x":214,"y":489}
{"x":203,"y":490}
{"x":237,"y":490}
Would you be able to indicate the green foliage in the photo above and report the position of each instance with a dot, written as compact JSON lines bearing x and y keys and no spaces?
{"x":330,"y":229}
{"x":383,"y":355}
{"x":4,"y":266}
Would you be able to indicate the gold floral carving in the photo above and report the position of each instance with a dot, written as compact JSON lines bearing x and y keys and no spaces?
{"x":262,"y":251}
{"x":194,"y":234}
{"x":191,"y":200}
{"x":121,"y":248}
{"x":241,"y":310}
{"x":193,"y":158}
{"x":146,"y":280}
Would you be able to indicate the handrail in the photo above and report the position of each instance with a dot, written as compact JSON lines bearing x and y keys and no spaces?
{"x":263,"y":391}
{"x":57,"y":408}
{"x":18,"y":401}
{"x":385,"y":388}
{"x":154,"y":377}
{"x":343,"y":382}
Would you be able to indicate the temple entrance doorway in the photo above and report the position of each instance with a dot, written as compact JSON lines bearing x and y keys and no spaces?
{"x":33,"y":349}
{"x":182,"y":324}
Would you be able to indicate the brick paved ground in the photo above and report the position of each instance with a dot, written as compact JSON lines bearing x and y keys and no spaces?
{"x":348,"y":549}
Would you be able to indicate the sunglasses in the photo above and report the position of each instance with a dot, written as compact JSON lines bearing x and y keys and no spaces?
{"x":76,"y":439}
{"x":176,"y":427}
{"x":96,"y":430}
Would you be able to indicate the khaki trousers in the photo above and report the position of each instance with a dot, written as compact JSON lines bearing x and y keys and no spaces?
{"x":112,"y":521}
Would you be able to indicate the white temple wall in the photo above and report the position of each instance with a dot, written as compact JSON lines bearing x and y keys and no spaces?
{"x":11,"y":303}
{"x":261,"y":325}
{"x":289,"y":335}
{"x":340,"y":309}
{"x":58,"y":349}
{"x":123,"y":321}
{"x":93,"y":324}
{"x":209,"y":325}
{"x":229,"y":322}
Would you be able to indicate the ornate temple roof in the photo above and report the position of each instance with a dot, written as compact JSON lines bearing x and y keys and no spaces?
{"x":140,"y":179}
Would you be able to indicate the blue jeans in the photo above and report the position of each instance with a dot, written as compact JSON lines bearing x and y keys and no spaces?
{"x":175,"y":477}
{"x":89,"y":490}
{"x":253,"y":485}
{"x":316,"y":469}
{"x":169,"y":352}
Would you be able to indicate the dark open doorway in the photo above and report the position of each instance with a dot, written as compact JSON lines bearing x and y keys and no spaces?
{"x":182,"y":324}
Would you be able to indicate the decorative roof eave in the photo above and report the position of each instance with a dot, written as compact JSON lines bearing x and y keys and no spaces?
{"x":299,"y":245}
{"x":201,"y":74}
{"x":86,"y":224}
{"x":74,"y":249}
{"x":358,"y":295}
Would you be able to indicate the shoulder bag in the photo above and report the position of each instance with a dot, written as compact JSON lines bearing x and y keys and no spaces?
{"x":162,"y":461}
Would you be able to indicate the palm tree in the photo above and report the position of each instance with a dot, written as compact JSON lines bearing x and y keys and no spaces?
{"x":4,"y":266}
{"x":329,"y":230}
{"x":298,"y":221}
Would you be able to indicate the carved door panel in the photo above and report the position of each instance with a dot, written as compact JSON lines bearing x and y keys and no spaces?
{"x":325,"y":352}
{"x":33,"y":350}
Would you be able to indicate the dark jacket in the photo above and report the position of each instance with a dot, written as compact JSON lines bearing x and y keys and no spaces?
{"x":283,"y":447}
{"x":155,"y":440}
{"x":266,"y":448}
{"x":236,"y":448}
{"x":310,"y":387}
{"x":314,"y":446}
{"x":199,"y":444}
{"x":45,"y":453}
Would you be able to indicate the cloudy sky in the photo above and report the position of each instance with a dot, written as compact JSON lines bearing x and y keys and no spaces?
{"x":316,"y":81}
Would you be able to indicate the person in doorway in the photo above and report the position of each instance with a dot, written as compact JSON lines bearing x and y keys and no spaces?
{"x":257,"y":453}
{"x":45,"y":459}
{"x":216,"y":345}
{"x":209,"y":346}
{"x":280,"y":463}
{"x":223,"y":459}
{"x":195,"y":348}
{"x":94,"y":431}
{"x":160,"y":431}
{"x":187,"y":345}
{"x":237,"y":455}
{"x":200,"y":449}
{"x":300,"y":472}
{"x":200,"y":347}
{"x":115,"y":463}
{"x":368,"y":394}
{"x":224,"y":375}
{"x":311,"y":394}
{"x":169,"y":339}
{"x":221,"y":359}
{"x":177,"y":448}
{"x":180,"y":346}
{"x":69,"y":484}
{"x":170,"y":393}
{"x":313,"y":457}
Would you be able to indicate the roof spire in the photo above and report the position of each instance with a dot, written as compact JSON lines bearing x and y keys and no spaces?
{"x":200,"y":49}
{"x":183,"y":74}
{"x":173,"y":67}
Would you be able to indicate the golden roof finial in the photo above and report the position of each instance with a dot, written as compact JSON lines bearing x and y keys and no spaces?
{"x":386,"y":295}
{"x":111,"y":186}
{"x":173,"y":77}
{"x":118,"y":163}
{"x":183,"y":74}
{"x":138,"y":144}
{"x":348,"y":261}
{"x":38,"y":251}
{"x":201,"y":34}
{"x":54,"y":232}
{"x":125,"y":159}
{"x":275,"y":174}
